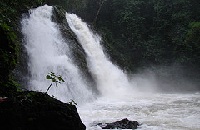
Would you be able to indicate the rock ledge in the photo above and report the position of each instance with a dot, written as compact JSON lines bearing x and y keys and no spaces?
{"x":38,"y":111}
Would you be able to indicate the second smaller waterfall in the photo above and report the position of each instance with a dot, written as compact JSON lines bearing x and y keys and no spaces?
{"x":110,"y":79}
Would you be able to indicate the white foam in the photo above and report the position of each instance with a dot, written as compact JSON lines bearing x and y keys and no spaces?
{"x":111,"y":81}
{"x":48,"y":52}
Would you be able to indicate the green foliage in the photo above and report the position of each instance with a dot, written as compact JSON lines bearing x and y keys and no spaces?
{"x":136,"y":33}
{"x":10,"y":35}
{"x":140,"y":33}
{"x":54,"y":79}
{"x":194,"y":31}
{"x":10,"y":10}
{"x":57,"y":79}
{"x":69,"y":5}
{"x":8,"y":57}
{"x":192,"y":42}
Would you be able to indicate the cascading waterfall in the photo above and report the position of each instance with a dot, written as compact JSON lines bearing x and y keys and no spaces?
{"x":111,"y":81}
{"x":154,"y":111}
{"x":48,"y":52}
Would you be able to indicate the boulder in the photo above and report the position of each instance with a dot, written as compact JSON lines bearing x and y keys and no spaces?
{"x":123,"y":124}
{"x":38,"y":111}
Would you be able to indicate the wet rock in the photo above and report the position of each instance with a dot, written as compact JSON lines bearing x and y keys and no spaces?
{"x":123,"y":124}
{"x":38,"y":111}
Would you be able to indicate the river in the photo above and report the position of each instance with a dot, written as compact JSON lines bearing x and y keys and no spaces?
{"x":152,"y":111}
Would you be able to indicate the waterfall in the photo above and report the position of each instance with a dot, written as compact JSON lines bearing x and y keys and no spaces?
{"x":49,"y":52}
{"x":111,"y":81}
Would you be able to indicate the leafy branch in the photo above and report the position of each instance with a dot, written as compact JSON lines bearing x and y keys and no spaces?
{"x":54,"y":79}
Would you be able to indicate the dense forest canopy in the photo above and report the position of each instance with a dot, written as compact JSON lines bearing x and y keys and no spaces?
{"x":136,"y":33}
{"x":148,"y":32}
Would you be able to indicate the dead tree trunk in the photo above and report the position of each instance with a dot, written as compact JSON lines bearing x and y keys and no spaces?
{"x":100,"y":5}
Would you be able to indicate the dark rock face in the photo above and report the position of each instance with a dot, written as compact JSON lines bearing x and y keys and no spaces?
{"x":78,"y":53}
{"x":123,"y":124}
{"x":38,"y":111}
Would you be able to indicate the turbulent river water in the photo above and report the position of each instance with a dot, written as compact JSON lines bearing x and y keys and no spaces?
{"x":118,"y":97}
{"x":152,"y":111}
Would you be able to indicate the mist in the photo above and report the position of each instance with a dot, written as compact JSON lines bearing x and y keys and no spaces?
{"x":167,"y":79}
